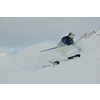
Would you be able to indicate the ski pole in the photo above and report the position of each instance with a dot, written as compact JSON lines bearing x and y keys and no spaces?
{"x":51,"y":48}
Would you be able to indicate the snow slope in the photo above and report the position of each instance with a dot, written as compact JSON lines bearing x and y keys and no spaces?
{"x":26,"y":66}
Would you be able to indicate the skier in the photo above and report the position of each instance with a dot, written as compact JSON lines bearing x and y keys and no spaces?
{"x":67,"y":40}
{"x":63,"y":45}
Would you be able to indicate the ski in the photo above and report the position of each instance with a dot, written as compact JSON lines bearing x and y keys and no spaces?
{"x":68,"y":58}
{"x":75,"y":56}
{"x":55,"y":63}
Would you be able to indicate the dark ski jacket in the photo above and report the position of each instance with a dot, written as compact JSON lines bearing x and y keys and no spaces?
{"x":66,"y":40}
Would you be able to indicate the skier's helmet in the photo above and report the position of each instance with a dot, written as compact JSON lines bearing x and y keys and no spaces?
{"x":71,"y":35}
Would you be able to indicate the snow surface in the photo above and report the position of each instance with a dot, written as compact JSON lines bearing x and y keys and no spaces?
{"x":26,"y":67}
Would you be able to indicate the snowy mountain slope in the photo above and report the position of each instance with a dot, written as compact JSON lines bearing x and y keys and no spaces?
{"x":26,"y":66}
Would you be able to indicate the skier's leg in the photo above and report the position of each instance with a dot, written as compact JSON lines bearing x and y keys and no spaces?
{"x":65,"y":51}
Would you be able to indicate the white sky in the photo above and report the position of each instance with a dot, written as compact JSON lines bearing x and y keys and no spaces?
{"x":23,"y":31}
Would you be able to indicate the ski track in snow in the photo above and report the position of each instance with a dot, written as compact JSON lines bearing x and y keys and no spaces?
{"x":26,"y":66}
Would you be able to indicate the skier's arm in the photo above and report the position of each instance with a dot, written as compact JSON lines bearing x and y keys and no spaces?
{"x":77,"y":47}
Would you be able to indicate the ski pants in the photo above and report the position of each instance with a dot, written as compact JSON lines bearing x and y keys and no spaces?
{"x":63,"y":50}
